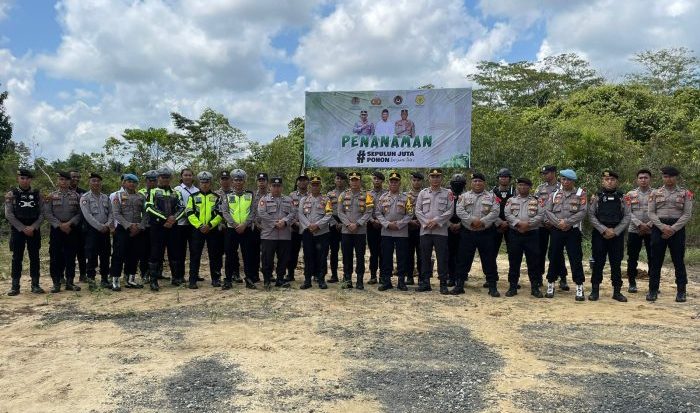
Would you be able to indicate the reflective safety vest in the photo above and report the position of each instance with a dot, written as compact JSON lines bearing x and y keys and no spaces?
{"x":203,"y":209}
{"x":240,"y":206}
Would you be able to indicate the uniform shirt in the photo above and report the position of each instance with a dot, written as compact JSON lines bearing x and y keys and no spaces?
{"x":96,"y":209}
{"x":144,"y":193}
{"x":257,"y":196}
{"x":112,"y":196}
{"x":128,"y":209}
{"x":405,"y":128}
{"x":595,"y":222}
{"x":363,"y":128}
{"x":383,"y":128}
{"x":315,"y":210}
{"x":333,"y":196}
{"x":674,"y":203}
{"x":28,"y":199}
{"x":434,"y":204}
{"x":567,"y":205}
{"x":504,"y":196}
{"x":185,"y":193}
{"x":204,"y":209}
{"x":376,"y":194}
{"x":355,"y":208}
{"x":638,"y":201}
{"x":62,"y":206}
{"x":272,"y":209}
{"x":296,"y":198}
{"x":484,"y":206}
{"x":222,"y":194}
{"x":543,"y":192}
{"x":162,"y":203}
{"x":238,"y":208}
{"x":394,"y":208}
{"x":524,"y":209}
{"x":412,"y":196}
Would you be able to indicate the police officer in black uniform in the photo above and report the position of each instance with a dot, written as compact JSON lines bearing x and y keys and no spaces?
{"x":457,"y":185}
{"x":80,"y":235}
{"x":610,"y":217}
{"x":23,"y":212}
{"x":504,"y":191}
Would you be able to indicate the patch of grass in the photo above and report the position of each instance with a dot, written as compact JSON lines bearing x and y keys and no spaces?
{"x":692,"y":256}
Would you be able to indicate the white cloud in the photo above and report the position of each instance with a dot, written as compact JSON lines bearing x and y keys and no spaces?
{"x":5,"y":6}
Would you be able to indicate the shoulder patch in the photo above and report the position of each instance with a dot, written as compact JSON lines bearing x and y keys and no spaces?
{"x":689,"y":194}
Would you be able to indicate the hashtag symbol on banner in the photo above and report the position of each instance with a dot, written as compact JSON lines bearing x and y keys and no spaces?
{"x":361,"y":157}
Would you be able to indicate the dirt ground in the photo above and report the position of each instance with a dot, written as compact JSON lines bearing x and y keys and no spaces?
{"x":348,"y":351}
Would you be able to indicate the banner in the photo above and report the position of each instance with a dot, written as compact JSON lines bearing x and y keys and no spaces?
{"x":388,"y":129}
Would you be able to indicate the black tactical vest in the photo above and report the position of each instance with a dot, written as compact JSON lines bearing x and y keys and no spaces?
{"x":26,"y":205}
{"x":609,"y":208}
{"x":504,"y":196}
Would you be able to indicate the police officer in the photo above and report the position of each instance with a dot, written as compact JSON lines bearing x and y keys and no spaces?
{"x":62,"y":211}
{"x":204,"y":214}
{"x":220,"y":230}
{"x":97,"y":213}
{"x":300,"y":191}
{"x":374,"y":229}
{"x":610,"y":217}
{"x":478,"y":210}
{"x":80,"y":248}
{"x":23,"y":210}
{"x":341,"y":180}
{"x":151,"y":178}
{"x":670,"y":208}
{"x":457,"y":185}
{"x":275,"y":214}
{"x":354,"y":210}
{"x":639,"y":231}
{"x":315,"y":213}
{"x":543,"y":192}
{"x":524,"y":214}
{"x":413,"y":262}
{"x":394,"y":211}
{"x":238,"y":211}
{"x":565,"y":210}
{"x":261,"y":181}
{"x":164,"y":207}
{"x":186,"y":188}
{"x":129,"y":241}
{"x":434,"y":206}
{"x":504,"y":190}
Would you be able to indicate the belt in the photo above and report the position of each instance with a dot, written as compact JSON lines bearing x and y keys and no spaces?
{"x":668,"y":221}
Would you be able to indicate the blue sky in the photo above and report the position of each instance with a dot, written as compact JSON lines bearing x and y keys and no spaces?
{"x":79,"y":71}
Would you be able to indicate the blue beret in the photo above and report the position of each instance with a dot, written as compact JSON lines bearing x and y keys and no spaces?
{"x":131,"y":177}
{"x":568,"y":174}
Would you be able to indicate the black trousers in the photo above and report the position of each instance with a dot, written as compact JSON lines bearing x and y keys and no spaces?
{"x":269,"y":249}
{"x":220,"y":234}
{"x":18,"y":242}
{"x":353,"y":246}
{"x":413,"y":258}
{"x":527,"y":243}
{"x":334,"y":245}
{"x":145,"y":252}
{"x":374,"y":236}
{"x":676,"y":245}
{"x":428,"y":242}
{"x":634,"y":245}
{"x":389,"y":244}
{"x":97,"y":248}
{"x":469,"y":243}
{"x":255,"y":254}
{"x":126,"y":251}
{"x":315,"y":254}
{"x":607,"y":249}
{"x":211,"y":239}
{"x":571,"y":241}
{"x":453,"y":248}
{"x":498,"y":240}
{"x":545,"y":235}
{"x":183,"y":240}
{"x":62,"y":251}
{"x":163,"y":239}
{"x":232,"y":242}
{"x":295,"y":247}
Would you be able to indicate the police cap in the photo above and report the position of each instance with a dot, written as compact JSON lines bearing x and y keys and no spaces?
{"x":63,"y":174}
{"x":276,"y":180}
{"x":670,"y":171}
{"x":302,"y":177}
{"x":165,"y":171}
{"x":240,"y":174}
{"x":523,"y":180}
{"x":458,"y":178}
{"x":204,"y":176}
{"x":394,"y":176}
{"x":548,"y":168}
{"x":354,"y":175}
{"x":505,"y":172}
{"x":478,"y":176}
{"x":224,"y":175}
{"x":315,"y":179}
{"x":608,"y":173}
{"x":151,"y":175}
{"x":435,"y":172}
{"x":25,"y":172}
{"x":261,"y":176}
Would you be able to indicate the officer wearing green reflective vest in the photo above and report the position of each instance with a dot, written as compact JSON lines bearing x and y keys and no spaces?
{"x":238,"y":210}
{"x":151,"y":178}
{"x":203,"y":212}
{"x":164,"y":207}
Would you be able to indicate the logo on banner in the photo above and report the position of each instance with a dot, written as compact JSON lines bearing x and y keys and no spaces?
{"x":361,"y":157}
{"x":376,"y":101}
{"x":355,"y":100}
{"x":398,"y":100}
{"x":420,"y":99}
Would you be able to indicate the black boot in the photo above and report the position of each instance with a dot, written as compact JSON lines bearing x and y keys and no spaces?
{"x":401,"y":285}
{"x":176,"y":279}
{"x":386,"y":284}
{"x":70,"y":286}
{"x":423,"y":285}
{"x":359,"y":285}
{"x":249,"y":284}
{"x":322,"y":282}
{"x":451,"y":281}
{"x":14,"y":290}
{"x":104,"y":282}
{"x":36,"y":288}
{"x":493,"y":290}
{"x":632,"y":279}
{"x":595,"y":292}
{"x":563,"y":285}
{"x":306,"y":284}
{"x":680,"y":294}
{"x":216,"y":280}
{"x":154,"y":270}
{"x":652,"y":295}
{"x":443,"y":287}
{"x":410,"y":280}
{"x":617,"y":295}
{"x":237,"y":279}
{"x":512,"y":290}
{"x":459,"y":287}
{"x":535,"y":292}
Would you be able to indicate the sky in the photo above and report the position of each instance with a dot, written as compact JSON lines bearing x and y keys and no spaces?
{"x":79,"y":71}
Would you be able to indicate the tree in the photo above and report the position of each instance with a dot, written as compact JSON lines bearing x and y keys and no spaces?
{"x":5,"y":126}
{"x":667,"y":70}
{"x":147,"y":149}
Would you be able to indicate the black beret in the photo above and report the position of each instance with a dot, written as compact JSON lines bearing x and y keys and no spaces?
{"x":478,"y":175}
{"x":548,"y":168}
{"x":63,"y":174}
{"x":378,"y":174}
{"x":95,"y":175}
{"x":302,"y":176}
{"x":524,"y":180}
{"x":261,"y":175}
{"x":670,"y":171}
{"x":25,"y":172}
{"x":276,"y":180}
{"x":417,"y":175}
{"x":341,"y":175}
{"x":608,"y":173}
